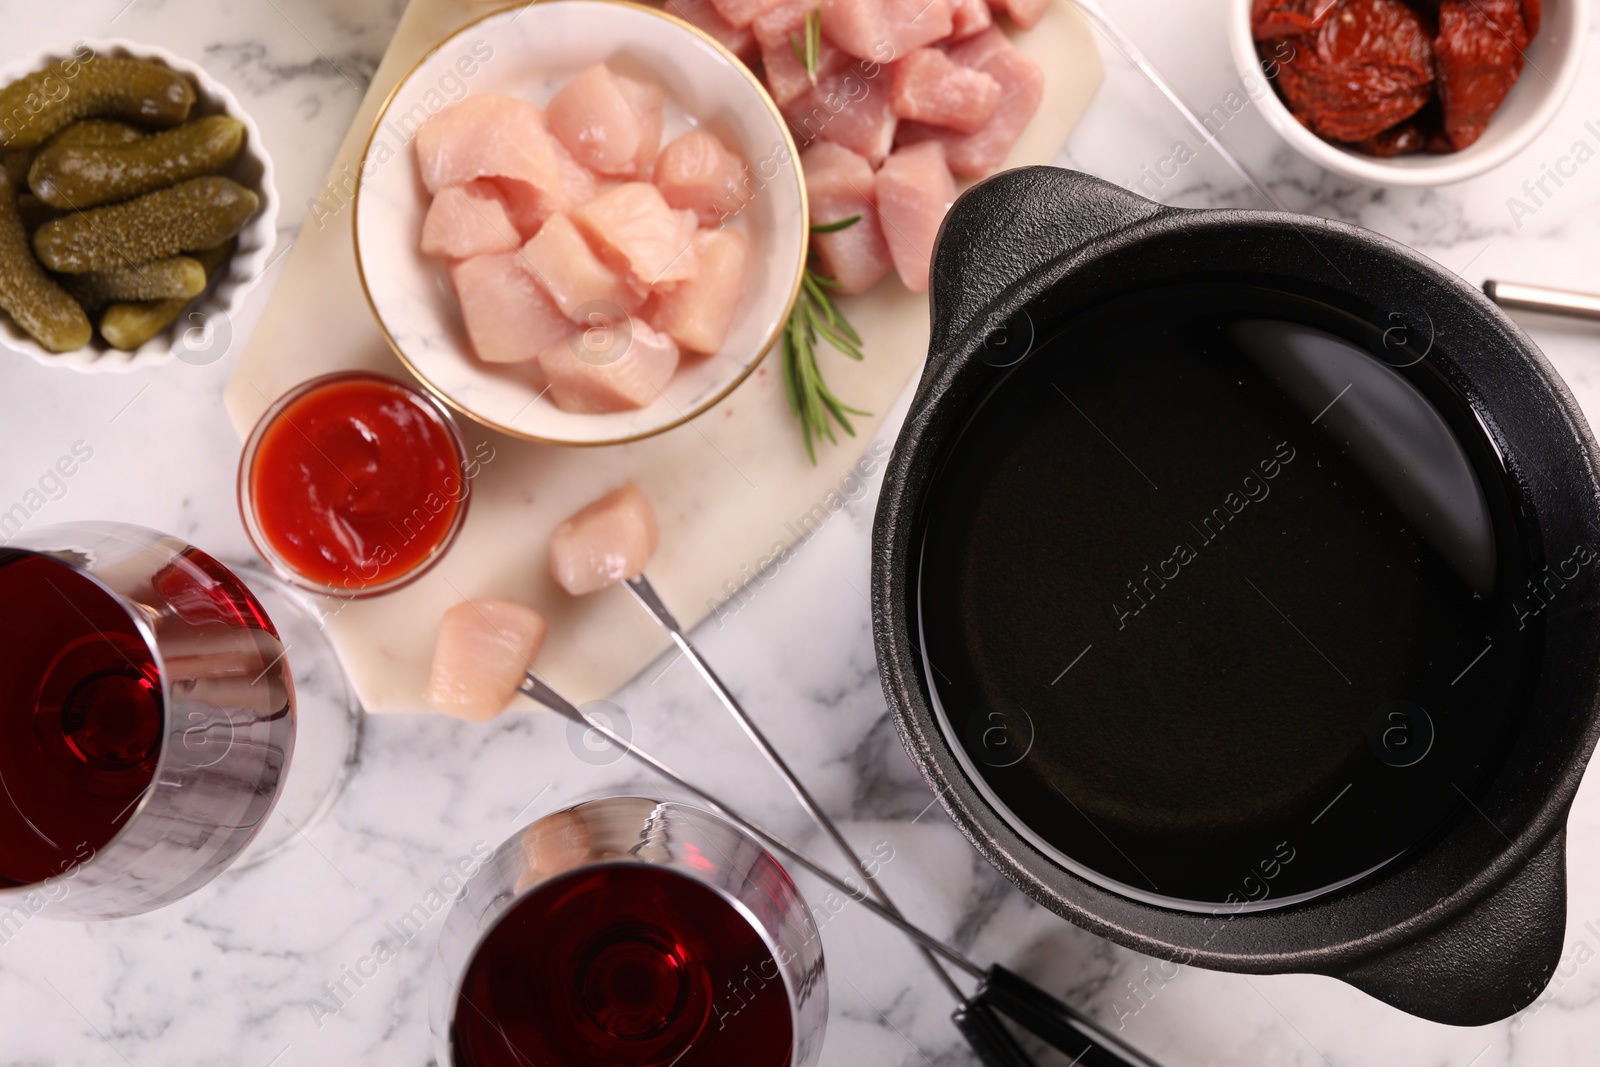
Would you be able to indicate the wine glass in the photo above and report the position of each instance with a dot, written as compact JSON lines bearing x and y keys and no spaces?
{"x":147,"y":720}
{"x":629,"y":931}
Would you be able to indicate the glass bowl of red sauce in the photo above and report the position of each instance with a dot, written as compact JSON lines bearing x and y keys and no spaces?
{"x":354,"y":484}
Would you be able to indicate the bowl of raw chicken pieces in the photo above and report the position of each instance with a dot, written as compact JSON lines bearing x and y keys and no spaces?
{"x":581,"y":222}
{"x":584,"y":222}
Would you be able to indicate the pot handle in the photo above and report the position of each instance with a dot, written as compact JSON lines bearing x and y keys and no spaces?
{"x":1002,"y":232}
{"x":1487,"y":964}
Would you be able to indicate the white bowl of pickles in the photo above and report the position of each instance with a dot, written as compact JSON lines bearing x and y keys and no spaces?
{"x":136,"y":208}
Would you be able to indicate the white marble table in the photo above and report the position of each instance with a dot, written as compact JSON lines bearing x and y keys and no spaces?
{"x":235,"y":974}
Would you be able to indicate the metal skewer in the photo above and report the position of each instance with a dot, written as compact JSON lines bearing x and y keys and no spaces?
{"x":1000,"y":990}
{"x":647,"y":596}
{"x":1124,"y":44}
{"x":539,"y":690}
{"x":1517,"y":297}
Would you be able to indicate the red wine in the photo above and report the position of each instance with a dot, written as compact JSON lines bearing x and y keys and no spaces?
{"x":81,"y":717}
{"x":626,"y":965}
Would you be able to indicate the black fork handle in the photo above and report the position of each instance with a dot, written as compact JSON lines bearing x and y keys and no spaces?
{"x":988,"y":1036}
{"x":1006,"y":993}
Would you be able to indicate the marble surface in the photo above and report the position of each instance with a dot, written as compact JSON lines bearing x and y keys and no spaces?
{"x":246,"y":971}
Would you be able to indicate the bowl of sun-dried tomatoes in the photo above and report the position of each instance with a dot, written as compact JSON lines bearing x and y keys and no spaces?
{"x":1409,"y":92}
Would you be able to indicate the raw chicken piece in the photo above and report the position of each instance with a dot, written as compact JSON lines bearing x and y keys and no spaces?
{"x":509,"y":318}
{"x":778,"y":31}
{"x":487,"y":135}
{"x":977,"y":155}
{"x":914,"y":191}
{"x":741,"y":13}
{"x":601,"y":379}
{"x":786,"y":75}
{"x":526,"y":206}
{"x":529,"y":206}
{"x":774,"y":25}
{"x":1025,"y":13}
{"x":847,"y":108}
{"x":930,"y":87}
{"x":562,"y":262}
{"x":839,"y":184}
{"x":637,"y":232}
{"x":610,"y":124}
{"x":885,"y":30}
{"x":468,"y":220}
{"x":699,"y":173}
{"x":649,"y":103}
{"x":484,"y":649}
{"x":703,"y":13}
{"x":578,"y":183}
{"x":969,"y":18}
{"x":698,"y":312}
{"x":606,"y":542}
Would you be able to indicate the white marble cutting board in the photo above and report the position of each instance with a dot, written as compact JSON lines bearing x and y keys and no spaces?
{"x":733,"y":489}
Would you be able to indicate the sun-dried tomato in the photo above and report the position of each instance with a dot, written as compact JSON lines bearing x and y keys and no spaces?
{"x":1422,"y":132}
{"x":1406,"y":139}
{"x":1479,"y":59}
{"x":1368,"y":68}
{"x":1288,"y":18}
{"x":1532,"y":16}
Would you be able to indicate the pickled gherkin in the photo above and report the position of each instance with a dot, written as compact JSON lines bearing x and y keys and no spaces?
{"x":97,"y":132}
{"x":127,"y":326}
{"x":37,"y":107}
{"x":80,"y":176}
{"x":164,"y":279}
{"x":34,"y":302}
{"x":197,"y":214}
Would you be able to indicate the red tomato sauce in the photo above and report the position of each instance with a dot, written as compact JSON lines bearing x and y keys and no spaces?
{"x":357,"y":483}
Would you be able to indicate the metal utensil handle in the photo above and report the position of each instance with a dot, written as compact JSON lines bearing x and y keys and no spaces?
{"x":987,"y":1037}
{"x":1055,"y":1022}
{"x":1519,"y":297}
{"x":645,"y":593}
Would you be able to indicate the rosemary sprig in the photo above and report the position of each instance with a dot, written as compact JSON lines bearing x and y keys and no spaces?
{"x":807,"y":52}
{"x":816,"y":316}
{"x":835,"y":227}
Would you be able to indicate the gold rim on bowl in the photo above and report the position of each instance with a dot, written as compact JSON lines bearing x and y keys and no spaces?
{"x":683,"y":417}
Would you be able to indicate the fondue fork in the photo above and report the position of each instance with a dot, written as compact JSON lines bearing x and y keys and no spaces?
{"x":1000,"y":991}
{"x":646,"y":595}
{"x":1517,"y":297}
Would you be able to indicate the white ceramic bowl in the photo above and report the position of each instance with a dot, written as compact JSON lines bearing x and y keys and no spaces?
{"x":531,"y":52}
{"x":201,"y":335}
{"x":1554,"y":57}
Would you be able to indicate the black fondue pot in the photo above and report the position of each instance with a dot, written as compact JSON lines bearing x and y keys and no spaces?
{"x":1235,"y":585}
